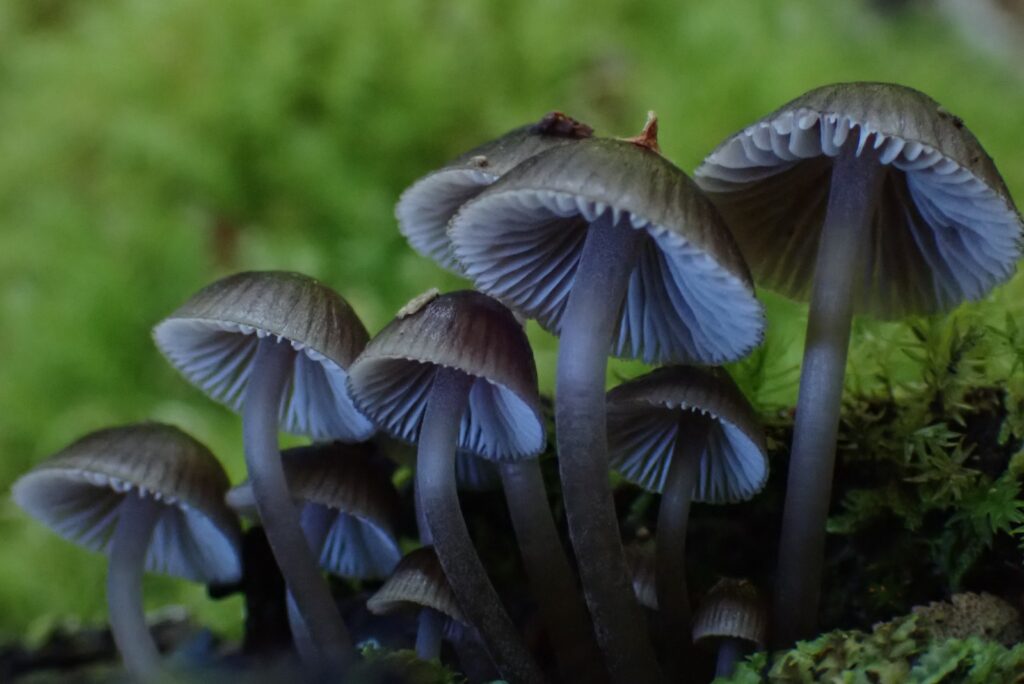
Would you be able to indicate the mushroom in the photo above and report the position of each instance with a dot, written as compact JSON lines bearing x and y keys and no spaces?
{"x":426,"y":206}
{"x":419,"y":583}
{"x":609,"y":244}
{"x":348,"y":513}
{"x":689,"y":434}
{"x":150,"y":497}
{"x":733,"y":617}
{"x":275,"y":346}
{"x":453,"y":372}
{"x":862,"y":197}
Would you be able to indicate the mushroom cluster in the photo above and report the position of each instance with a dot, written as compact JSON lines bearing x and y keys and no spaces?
{"x":862,"y":197}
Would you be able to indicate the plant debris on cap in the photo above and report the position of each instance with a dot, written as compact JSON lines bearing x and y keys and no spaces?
{"x":643,"y":423}
{"x":945,"y":230}
{"x":212,"y":341}
{"x":417,"y":582}
{"x":362,"y":541}
{"x":470,"y":332}
{"x":732,"y":609}
{"x":424,"y":209}
{"x":78,"y":491}
{"x":690,"y":295}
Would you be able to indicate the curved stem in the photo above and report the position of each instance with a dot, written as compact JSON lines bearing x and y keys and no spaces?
{"x":267,"y":383}
{"x":475,"y":663}
{"x":730,"y":652}
{"x":435,"y":477}
{"x":428,"y":634}
{"x":589,"y":324}
{"x":316,"y":522}
{"x":421,"y":520}
{"x":670,"y":558}
{"x":856,"y":182}
{"x":136,"y":520}
{"x":551,"y":577}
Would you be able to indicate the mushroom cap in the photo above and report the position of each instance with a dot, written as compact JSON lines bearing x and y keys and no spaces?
{"x":690,"y":296}
{"x":362,"y":541}
{"x":731,"y":609}
{"x":641,"y":563}
{"x":643,"y":425}
{"x":78,"y":492}
{"x":467,"y":331}
{"x":417,"y":582}
{"x":945,"y":228}
{"x":212,"y":338}
{"x":426,"y":206}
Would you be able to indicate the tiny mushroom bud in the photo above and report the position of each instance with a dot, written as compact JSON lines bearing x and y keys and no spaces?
{"x":275,"y":347}
{"x":733,"y":617}
{"x":611,"y":246}
{"x":689,"y":434}
{"x":151,"y":498}
{"x":865,"y":197}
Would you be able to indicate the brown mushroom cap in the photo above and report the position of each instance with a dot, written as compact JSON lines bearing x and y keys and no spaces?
{"x":417,"y":582}
{"x":731,"y":609}
{"x":467,"y":331}
{"x":78,"y":491}
{"x":212,"y":340}
{"x":643,"y":425}
{"x":690,"y":297}
{"x":945,"y":230}
{"x":424,"y":209}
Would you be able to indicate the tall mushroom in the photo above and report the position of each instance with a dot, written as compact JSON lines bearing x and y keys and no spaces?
{"x":608,"y":244}
{"x":275,"y":347}
{"x":150,"y":497}
{"x":426,"y":206}
{"x":689,"y":434}
{"x":866,"y":197}
{"x":455,"y":372}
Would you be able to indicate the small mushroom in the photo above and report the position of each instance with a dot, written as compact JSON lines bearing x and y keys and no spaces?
{"x":348,"y":514}
{"x":689,"y":434}
{"x":457,"y":373}
{"x":608,"y":244}
{"x":151,"y":498}
{"x":732,"y":617}
{"x":275,"y":347}
{"x":424,"y":209}
{"x":865,"y":197}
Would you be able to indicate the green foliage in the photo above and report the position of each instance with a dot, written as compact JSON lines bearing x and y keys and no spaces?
{"x":900,"y":652}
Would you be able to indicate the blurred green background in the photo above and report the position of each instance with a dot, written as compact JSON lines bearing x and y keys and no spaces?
{"x":147,"y":148}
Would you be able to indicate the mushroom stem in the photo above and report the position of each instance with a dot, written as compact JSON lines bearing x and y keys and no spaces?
{"x":670,"y":558}
{"x":730,"y":652}
{"x":435,"y":477}
{"x":136,"y":520}
{"x":551,"y":577}
{"x":280,"y":519}
{"x":856,"y":181}
{"x":589,"y":324}
{"x":316,"y":523}
{"x":428,"y":634}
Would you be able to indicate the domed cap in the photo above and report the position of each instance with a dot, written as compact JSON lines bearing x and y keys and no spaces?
{"x":362,"y":542}
{"x":690,"y":296}
{"x":212,"y":341}
{"x":78,"y":492}
{"x":427,"y":205}
{"x":467,"y":331}
{"x":945,"y":228}
{"x":732,"y":609}
{"x":643,"y":425}
{"x":640,"y":561}
{"x":417,"y":582}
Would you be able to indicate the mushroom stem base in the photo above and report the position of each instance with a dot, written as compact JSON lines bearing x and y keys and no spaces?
{"x":588,"y":328}
{"x":856,"y":182}
{"x":435,"y":478}
{"x":136,"y":521}
{"x":316,"y":524}
{"x":428,"y":634}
